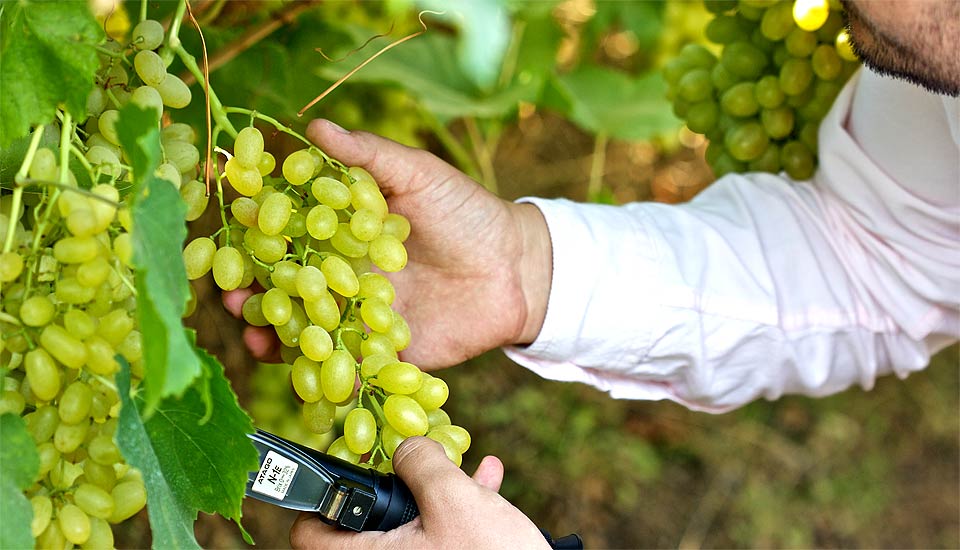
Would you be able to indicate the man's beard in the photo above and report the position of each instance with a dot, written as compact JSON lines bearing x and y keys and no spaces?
{"x":889,"y":56}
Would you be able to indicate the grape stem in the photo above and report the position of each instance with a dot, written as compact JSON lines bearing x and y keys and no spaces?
{"x":18,"y":191}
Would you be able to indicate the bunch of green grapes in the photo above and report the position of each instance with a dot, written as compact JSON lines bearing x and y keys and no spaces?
{"x":781,"y":65}
{"x":309,"y":240}
{"x":69,"y":300}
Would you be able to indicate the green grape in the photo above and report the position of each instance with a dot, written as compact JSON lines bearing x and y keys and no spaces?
{"x":74,"y":523}
{"x":316,"y":343}
{"x":103,"y":450}
{"x":768,"y":92}
{"x":795,"y":76}
{"x":310,"y":283}
{"x":63,"y":346}
{"x":365,"y":194}
{"x":296,"y":227}
{"x":183,"y":155}
{"x":319,"y":416}
{"x":194,"y":195}
{"x":458,"y":435}
{"x":44,"y":165}
{"x":769,"y":161}
{"x":360,"y":431}
{"x":797,"y":160}
{"x":228,"y":268}
{"x":405,"y":415}
{"x":42,"y":512}
{"x":703,"y":116}
{"x":247,"y":181}
{"x":147,"y":35}
{"x":340,"y":276}
{"x":305,"y":375}
{"x":396,"y":225}
{"x":68,"y":437}
{"x":377,"y":343}
{"x":129,"y":497}
{"x":347,"y":243}
{"x":432,"y":394}
{"x":178,"y":131}
{"x":148,"y":98}
{"x":826,"y":63}
{"x":274,"y":214}
{"x":376,"y":314}
{"x":284,"y":276}
{"x":810,"y":15}
{"x":744,"y":60}
{"x":800,"y":43}
{"x":75,"y":403}
{"x":698,"y":56}
{"x":720,"y":6}
{"x":94,"y":501}
{"x":198,"y":257}
{"x":245,"y":210}
{"x":374,"y":285}
{"x":267,"y":248}
{"x":777,"y":22}
{"x":746,"y":141}
{"x":331,"y":193}
{"x":115,"y":326}
{"x":388,"y":253}
{"x":266,"y":164}
{"x":11,"y":264}
{"x":340,"y":450}
{"x":366,"y":225}
{"x":52,"y":537}
{"x":337,"y":375}
{"x":372,"y":364}
{"x":167,"y":171}
{"x":448,"y":446}
{"x":722,"y":78}
{"x":277,"y":307}
{"x":740,"y":100}
{"x":809,"y":135}
{"x":695,"y":86}
{"x":12,"y":402}
{"x":70,"y":291}
{"x":845,"y":47}
{"x":323,"y":311}
{"x":322,"y":222}
{"x":299,"y":167}
{"x":49,"y":456}
{"x":37,"y":311}
{"x":398,"y":333}
{"x":400,"y":377}
{"x":107,"y":125}
{"x":174,"y":92}
{"x":252,"y":311}
{"x":438,"y":417}
{"x":390,"y":439}
{"x":248,"y":147}
{"x":101,"y":536}
{"x":75,"y":250}
{"x":43,"y":422}
{"x":778,"y":123}
{"x":102,"y":475}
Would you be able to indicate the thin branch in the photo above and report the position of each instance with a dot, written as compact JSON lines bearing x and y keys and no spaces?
{"x":248,"y":40}
{"x":206,"y":96}
{"x":383,"y":50}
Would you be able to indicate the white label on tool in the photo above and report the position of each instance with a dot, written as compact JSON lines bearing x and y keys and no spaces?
{"x":275,"y":476}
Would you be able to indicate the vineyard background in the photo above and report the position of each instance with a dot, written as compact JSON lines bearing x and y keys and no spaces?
{"x":563,"y":99}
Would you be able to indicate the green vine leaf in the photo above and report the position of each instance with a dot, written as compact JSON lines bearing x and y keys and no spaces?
{"x":48,"y":58}
{"x":171,"y":364}
{"x":193,"y":452}
{"x":19,"y":466}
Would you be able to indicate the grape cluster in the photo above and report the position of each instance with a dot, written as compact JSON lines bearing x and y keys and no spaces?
{"x":781,"y":64}
{"x":309,"y":240}
{"x":68,"y":295}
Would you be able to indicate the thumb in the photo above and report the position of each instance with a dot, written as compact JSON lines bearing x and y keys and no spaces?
{"x":421,"y":463}
{"x":396,"y":168}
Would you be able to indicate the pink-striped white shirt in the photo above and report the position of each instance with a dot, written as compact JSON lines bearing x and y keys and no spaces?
{"x":762,"y":286}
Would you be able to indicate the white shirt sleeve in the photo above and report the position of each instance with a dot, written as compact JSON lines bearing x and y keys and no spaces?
{"x":762,"y":286}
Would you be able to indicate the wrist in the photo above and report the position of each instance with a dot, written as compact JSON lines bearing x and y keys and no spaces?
{"x":534,"y":269}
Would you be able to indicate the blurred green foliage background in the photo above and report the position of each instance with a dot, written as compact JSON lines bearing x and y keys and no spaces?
{"x":564,"y":98}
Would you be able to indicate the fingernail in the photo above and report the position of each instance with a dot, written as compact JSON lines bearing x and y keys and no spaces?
{"x":337,"y":127}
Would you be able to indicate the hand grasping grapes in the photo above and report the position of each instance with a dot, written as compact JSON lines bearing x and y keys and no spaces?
{"x":479,"y":267}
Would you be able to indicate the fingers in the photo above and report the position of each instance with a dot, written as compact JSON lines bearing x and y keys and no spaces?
{"x":262,"y":343}
{"x":489,"y":473}
{"x":423,"y":466}
{"x":308,"y":531}
{"x":395,"y":167}
{"x":233,"y":300}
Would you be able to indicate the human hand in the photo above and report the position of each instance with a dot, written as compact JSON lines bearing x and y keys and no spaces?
{"x":456,"y":511}
{"x":479,"y":269}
